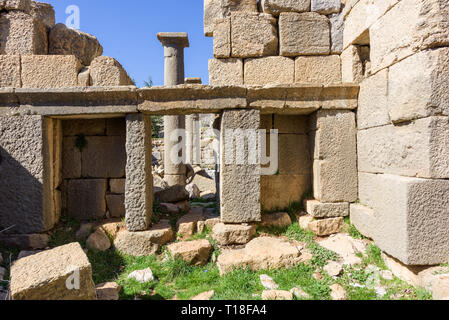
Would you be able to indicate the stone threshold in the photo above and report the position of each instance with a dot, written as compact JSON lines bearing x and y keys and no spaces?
{"x":82,"y":102}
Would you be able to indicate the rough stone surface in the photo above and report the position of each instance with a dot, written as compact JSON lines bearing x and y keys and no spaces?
{"x":204,"y":296}
{"x":335,"y":154}
{"x":314,"y":30}
{"x":139,"y":180}
{"x":66,"y":41}
{"x":325,"y":227}
{"x":43,"y":12}
{"x":276,"y":7}
{"x":426,"y":72}
{"x":108,"y":291}
{"x":327,"y":210}
{"x":10,"y":71}
{"x":363,"y":218}
{"x":21,"y":34}
{"x":225,"y":72}
{"x":172,"y":194}
{"x":240,"y":179}
{"x":25,"y":189}
{"x":227,"y":234}
{"x":337,"y":27}
{"x":299,"y":293}
{"x":318,"y":69}
{"x":409,"y":26}
{"x":144,"y":243}
{"x":116,"y":205}
{"x":268,"y":282}
{"x":117,"y":186}
{"x":338,"y":292}
{"x":193,"y":252}
{"x":50,"y":71}
{"x":142,"y":276}
{"x":373,"y":105}
{"x":260,"y":254}
{"x":253,"y":35}
{"x":325,"y":7}
{"x":333,"y":269}
{"x":418,"y":149}
{"x":106,"y":71}
{"x":407,"y":212}
{"x":43,"y":276}
{"x":346,"y":247}
{"x":86,"y":198}
{"x":222,"y":38}
{"x":279,"y":219}
{"x":98,"y":241}
{"x":269,"y":70}
{"x":276,"y":295}
{"x":187,"y":224}
{"x":351,"y":65}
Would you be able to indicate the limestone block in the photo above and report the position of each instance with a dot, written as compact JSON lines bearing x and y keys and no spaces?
{"x":279,"y":191}
{"x":225,"y":72}
{"x":276,"y":7}
{"x":86,"y":198}
{"x":116,"y":205}
{"x":337,"y":27}
{"x":239,"y":179}
{"x":327,"y":210}
{"x":19,"y":5}
{"x":67,"y":41}
{"x":98,"y":241}
{"x":318,"y":69}
{"x":361,"y":17}
{"x":290,"y":124}
{"x":86,"y":127}
{"x":144,"y":243}
{"x":334,"y":150}
{"x":276,"y":295}
{"x":193,"y":252}
{"x":426,"y":72}
{"x":238,"y":5}
{"x":10,"y":71}
{"x":278,"y":220}
{"x":222,"y":38}
{"x":104,"y":157}
{"x":26,"y":188}
{"x":106,"y":71}
{"x":351,"y":65}
{"x":326,"y":227}
{"x":84,"y":77}
{"x":43,"y":12}
{"x":228,"y":234}
{"x":373,"y":105}
{"x":253,"y":35}
{"x":411,"y":216}
{"x":364,"y":219}
{"x":410,"y":26}
{"x":269,"y":70}
{"x":314,"y":30}
{"x":108,"y":291}
{"x":50,"y":71}
{"x":139,"y":180}
{"x":325,"y":7}
{"x":71,"y":159}
{"x":418,"y":149}
{"x":44,"y":275}
{"x":294,"y":155}
{"x":117,"y":186}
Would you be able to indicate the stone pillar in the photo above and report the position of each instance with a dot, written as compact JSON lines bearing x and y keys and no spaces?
{"x":139,"y":179}
{"x":174,"y":44}
{"x":239,"y":175}
{"x":193,"y":142}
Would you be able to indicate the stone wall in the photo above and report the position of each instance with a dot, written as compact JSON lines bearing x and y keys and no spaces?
{"x":403,"y":126}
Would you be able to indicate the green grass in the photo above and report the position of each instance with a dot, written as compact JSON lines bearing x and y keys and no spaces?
{"x":64,"y":232}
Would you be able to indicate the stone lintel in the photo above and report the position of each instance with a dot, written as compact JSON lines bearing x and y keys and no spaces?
{"x":174,"y":38}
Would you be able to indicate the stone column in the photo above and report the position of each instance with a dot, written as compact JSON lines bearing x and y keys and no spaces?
{"x":139,"y":178}
{"x":193,"y":142}
{"x":239,"y":175}
{"x":174,"y":44}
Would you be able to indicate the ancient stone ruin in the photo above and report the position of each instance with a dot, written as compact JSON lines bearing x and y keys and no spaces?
{"x":355,"y":93}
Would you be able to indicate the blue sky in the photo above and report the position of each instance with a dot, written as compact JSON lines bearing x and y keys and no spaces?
{"x":127,"y":31}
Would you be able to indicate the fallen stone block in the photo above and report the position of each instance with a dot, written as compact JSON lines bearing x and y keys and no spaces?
{"x":227,"y":234}
{"x":106,"y":71}
{"x":326,"y":227}
{"x":314,"y":30}
{"x":10,"y":71}
{"x":187,"y":224}
{"x":144,"y":243}
{"x":142,"y":276}
{"x":86,"y":198}
{"x":169,"y":208}
{"x":346,"y":247}
{"x":98,"y":241}
{"x":318,"y":69}
{"x":49,"y":71}
{"x":225,"y":72}
{"x":334,"y":269}
{"x":268,"y":282}
{"x":108,"y":291}
{"x":338,"y":292}
{"x":193,"y":252}
{"x":67,"y":41}
{"x":116,"y":205}
{"x":279,"y":219}
{"x":253,"y":35}
{"x":172,"y":194}
{"x":276,"y":295}
{"x":53,"y":275}
{"x":263,"y":253}
{"x":269,"y":70}
{"x":276,"y":7}
{"x":21,"y":34}
{"x":327,"y":210}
